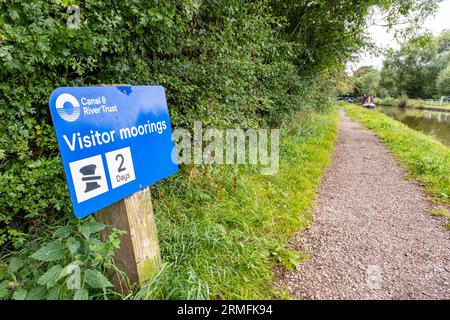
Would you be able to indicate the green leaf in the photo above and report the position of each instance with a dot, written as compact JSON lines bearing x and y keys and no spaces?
{"x":54,"y":293}
{"x":14,"y":15}
{"x":37,"y":293}
{"x":81,"y":294}
{"x":50,"y":277}
{"x":96,"y":280}
{"x":50,"y":252}
{"x":15,"y":264}
{"x":63,"y":232}
{"x":73,"y":245}
{"x":69,"y":269}
{"x":19,"y":294}
{"x":25,"y":272}
{"x":74,"y":280}
{"x":4,"y":289}
{"x":90,"y":227}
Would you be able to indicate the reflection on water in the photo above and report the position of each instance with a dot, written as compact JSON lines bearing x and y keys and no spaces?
{"x":434,"y":123}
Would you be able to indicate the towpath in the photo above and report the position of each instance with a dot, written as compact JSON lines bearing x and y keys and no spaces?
{"x":373,"y":235}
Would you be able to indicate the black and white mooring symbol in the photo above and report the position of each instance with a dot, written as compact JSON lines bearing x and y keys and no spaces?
{"x":90,"y":178}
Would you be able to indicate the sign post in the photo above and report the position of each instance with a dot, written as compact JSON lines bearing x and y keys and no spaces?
{"x":139,"y":255}
{"x":115,"y":141}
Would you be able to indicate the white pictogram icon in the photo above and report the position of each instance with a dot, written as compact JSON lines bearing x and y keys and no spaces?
{"x":89,"y":178}
{"x":120,"y":167}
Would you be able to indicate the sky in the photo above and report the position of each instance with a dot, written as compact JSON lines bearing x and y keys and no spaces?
{"x":436,"y":24}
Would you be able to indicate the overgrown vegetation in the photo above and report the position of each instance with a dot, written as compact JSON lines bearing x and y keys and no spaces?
{"x":221,"y":229}
{"x":227,"y":63}
{"x":405,"y":102}
{"x":427,"y":160}
{"x":66,"y":262}
{"x":401,"y":102}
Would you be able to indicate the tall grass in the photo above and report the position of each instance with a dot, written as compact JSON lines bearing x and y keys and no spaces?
{"x":401,"y":102}
{"x":223,"y":228}
{"x":427,"y":160}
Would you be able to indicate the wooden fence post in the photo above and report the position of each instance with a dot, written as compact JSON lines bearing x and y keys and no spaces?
{"x":139,"y":254}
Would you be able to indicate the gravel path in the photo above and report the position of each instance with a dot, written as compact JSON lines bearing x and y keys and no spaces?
{"x":373,"y":236}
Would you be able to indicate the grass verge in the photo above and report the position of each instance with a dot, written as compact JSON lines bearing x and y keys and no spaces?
{"x":223,"y":228}
{"x":427,"y":160}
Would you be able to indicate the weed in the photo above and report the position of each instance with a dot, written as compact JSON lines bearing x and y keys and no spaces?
{"x":441,"y":212}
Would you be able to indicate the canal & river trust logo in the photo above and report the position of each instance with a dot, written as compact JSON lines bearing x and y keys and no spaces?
{"x":68,"y":107}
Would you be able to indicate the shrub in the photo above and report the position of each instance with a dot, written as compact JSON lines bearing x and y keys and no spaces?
{"x":389,"y":102}
{"x":416,"y":103}
{"x":402,"y":102}
{"x":69,"y":264}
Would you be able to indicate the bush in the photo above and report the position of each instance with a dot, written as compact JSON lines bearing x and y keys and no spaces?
{"x":389,"y":102}
{"x":416,"y":103}
{"x":68,"y":264}
{"x":402,"y":102}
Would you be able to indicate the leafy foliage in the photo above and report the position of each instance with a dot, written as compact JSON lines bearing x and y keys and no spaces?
{"x":418,"y":68}
{"x":223,"y":64}
{"x":366,"y":81}
{"x":68,"y":267}
{"x":443,"y":81}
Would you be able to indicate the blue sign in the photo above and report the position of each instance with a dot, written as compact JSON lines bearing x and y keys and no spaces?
{"x":114,"y":141}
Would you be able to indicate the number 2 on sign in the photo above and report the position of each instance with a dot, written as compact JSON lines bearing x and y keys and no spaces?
{"x":121,"y":167}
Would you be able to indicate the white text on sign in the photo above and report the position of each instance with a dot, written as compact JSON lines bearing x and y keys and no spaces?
{"x":96,"y":138}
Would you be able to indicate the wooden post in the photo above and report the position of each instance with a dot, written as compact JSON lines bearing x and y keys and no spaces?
{"x":139,"y":254}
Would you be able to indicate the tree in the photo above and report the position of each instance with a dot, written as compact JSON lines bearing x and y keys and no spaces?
{"x":443,"y":81}
{"x":329,"y":32}
{"x":414,"y":69}
{"x":366,"y":81}
{"x":344,"y":84}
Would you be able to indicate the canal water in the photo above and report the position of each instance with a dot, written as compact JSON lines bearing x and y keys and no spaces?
{"x":434,"y":123}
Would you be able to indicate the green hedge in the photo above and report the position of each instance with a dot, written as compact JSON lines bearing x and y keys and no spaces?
{"x":223,"y":64}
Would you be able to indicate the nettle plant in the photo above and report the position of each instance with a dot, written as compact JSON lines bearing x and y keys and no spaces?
{"x":71,"y":264}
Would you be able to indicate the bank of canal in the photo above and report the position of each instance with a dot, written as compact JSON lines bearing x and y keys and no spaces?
{"x":434,"y":123}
